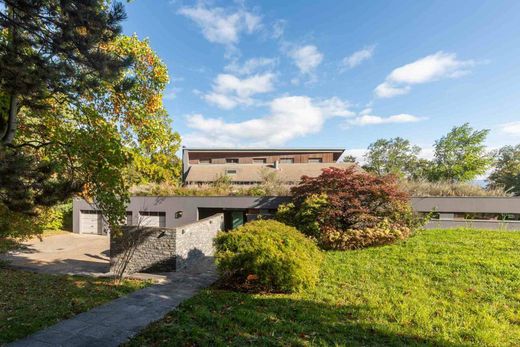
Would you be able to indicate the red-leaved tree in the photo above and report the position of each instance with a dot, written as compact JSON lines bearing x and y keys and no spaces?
{"x":349,"y":208}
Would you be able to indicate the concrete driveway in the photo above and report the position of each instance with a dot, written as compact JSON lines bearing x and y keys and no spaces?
{"x":63,"y":254}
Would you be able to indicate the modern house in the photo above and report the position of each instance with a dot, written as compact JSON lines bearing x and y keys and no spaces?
{"x":175,"y":211}
{"x":250,"y":166}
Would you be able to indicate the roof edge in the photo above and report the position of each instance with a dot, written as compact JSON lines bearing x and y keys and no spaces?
{"x":264,"y":149}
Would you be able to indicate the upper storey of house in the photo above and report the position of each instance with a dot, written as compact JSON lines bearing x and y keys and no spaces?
{"x":193,"y":156}
{"x":246,"y":166}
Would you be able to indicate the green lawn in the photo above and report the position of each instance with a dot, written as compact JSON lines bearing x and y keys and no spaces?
{"x":30,"y":301}
{"x":445,"y":288}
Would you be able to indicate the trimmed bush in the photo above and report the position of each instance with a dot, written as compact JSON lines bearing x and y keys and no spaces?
{"x":267,"y":255}
{"x":349,"y":209}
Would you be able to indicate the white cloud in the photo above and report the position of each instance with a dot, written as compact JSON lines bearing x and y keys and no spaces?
{"x":306,"y":58}
{"x":387,"y":90}
{"x":290,"y":117}
{"x":222,"y":26}
{"x":367,"y":119}
{"x":230,"y":91}
{"x":511,"y":128}
{"x":358,"y":57}
{"x":358,"y":153}
{"x":430,"y":68}
{"x":336,"y":107}
{"x":251,"y":66}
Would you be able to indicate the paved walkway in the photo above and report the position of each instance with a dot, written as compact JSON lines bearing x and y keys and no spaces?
{"x":117,"y":321}
{"x":68,"y":253}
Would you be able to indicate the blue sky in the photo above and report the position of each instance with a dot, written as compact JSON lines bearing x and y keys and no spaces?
{"x":335,"y":73}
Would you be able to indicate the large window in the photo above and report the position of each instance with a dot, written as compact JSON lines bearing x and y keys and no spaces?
{"x":286,"y":160}
{"x":315,"y":160}
{"x":205,"y":161}
{"x":152,"y":219}
{"x":259,"y":160}
{"x":232,"y":160}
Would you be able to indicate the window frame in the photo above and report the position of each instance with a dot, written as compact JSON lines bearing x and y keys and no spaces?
{"x":287,"y":160}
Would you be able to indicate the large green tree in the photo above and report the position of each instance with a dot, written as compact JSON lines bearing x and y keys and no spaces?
{"x":394,"y":156}
{"x":460,"y":155}
{"x":118,"y":134}
{"x":507,"y":169}
{"x":52,"y":48}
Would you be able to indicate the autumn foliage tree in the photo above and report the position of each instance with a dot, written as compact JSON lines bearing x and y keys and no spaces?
{"x":348,"y":209}
{"x":119,"y":133}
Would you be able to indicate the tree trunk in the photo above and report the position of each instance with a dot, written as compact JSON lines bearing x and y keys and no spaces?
{"x":7,"y":136}
{"x":12,"y":121}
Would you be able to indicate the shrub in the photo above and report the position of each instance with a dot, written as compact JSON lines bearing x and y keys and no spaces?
{"x":218,"y":189}
{"x":266,"y":255}
{"x":348,"y":209}
{"x":57,"y":217}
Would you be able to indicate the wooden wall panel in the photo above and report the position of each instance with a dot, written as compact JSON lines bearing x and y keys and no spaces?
{"x":247,"y":157}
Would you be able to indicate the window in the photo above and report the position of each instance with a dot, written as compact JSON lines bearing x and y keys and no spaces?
{"x":231,"y":172}
{"x":259,"y":160}
{"x":152,"y":213}
{"x":232,"y":160}
{"x":90,"y":212}
{"x":152,"y":219}
{"x":286,"y":160}
{"x":315,"y":160}
{"x":205,"y":161}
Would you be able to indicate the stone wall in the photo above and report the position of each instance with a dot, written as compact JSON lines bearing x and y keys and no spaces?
{"x":153,"y":249}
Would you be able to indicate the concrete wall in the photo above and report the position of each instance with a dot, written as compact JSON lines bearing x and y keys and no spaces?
{"x":467,"y":204}
{"x":163,"y":249}
{"x":473,"y":224}
{"x":182,"y":210}
{"x":448,"y":206}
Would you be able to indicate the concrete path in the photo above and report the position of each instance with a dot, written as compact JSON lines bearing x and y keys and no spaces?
{"x":117,"y":321}
{"x":69,"y":253}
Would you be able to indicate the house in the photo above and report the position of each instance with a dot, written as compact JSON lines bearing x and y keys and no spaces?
{"x":175,"y":211}
{"x":250,"y":166}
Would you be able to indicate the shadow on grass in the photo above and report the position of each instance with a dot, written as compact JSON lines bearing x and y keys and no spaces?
{"x":227,"y":318}
{"x":30,"y":302}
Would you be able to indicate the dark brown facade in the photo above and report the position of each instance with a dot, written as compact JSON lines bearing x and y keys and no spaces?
{"x":267,"y":157}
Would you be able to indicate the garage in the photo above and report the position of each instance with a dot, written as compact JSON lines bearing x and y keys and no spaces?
{"x":91,"y":222}
{"x":152,"y":219}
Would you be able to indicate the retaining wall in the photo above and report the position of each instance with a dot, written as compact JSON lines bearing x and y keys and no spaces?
{"x":139,"y":249}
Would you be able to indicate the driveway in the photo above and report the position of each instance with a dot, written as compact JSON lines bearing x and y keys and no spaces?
{"x":72,"y":254}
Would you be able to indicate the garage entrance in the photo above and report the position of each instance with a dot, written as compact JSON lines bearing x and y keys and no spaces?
{"x":91,"y":222}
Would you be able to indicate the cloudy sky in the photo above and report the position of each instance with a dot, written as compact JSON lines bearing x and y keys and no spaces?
{"x":335,"y":73}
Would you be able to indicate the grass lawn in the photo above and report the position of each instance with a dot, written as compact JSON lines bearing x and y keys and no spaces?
{"x":30,"y":301}
{"x":445,"y":288}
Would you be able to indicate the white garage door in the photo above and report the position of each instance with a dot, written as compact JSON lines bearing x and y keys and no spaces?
{"x":152,"y":219}
{"x":90,"y":222}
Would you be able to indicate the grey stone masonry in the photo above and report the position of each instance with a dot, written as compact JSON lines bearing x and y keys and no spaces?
{"x":139,"y":249}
